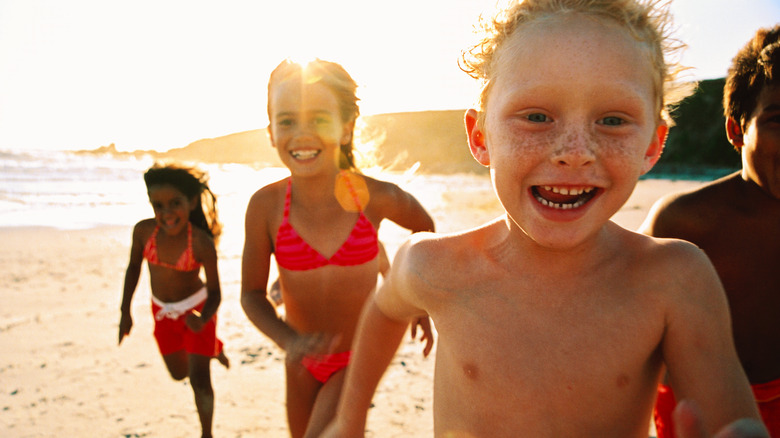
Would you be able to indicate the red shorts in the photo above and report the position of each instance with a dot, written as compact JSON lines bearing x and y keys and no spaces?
{"x":767,"y":396}
{"x":173,"y":335}
{"x":662,"y":413}
{"x":325,"y":365}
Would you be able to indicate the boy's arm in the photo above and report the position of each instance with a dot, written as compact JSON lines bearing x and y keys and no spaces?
{"x":382,"y":325}
{"x":688,"y":424}
{"x":376,"y":342}
{"x":698,"y":347}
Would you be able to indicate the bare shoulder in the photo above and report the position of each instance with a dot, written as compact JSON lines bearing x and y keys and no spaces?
{"x":422,"y":269}
{"x":670,"y":251}
{"x":382,"y":191}
{"x":202,"y":242}
{"x":687,"y":213}
{"x":463,"y":247}
{"x":677,"y":269}
{"x":437,"y":264}
{"x":267,"y":200}
{"x":143,"y":229}
{"x":269,"y":191}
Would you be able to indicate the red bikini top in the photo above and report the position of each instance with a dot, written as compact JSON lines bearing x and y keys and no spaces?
{"x":295,"y":254}
{"x":186,"y":260}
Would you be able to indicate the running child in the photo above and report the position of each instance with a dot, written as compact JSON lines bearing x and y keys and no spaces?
{"x":321,"y":226}
{"x":554,"y":321}
{"x":736,"y":221}
{"x":176,"y":243}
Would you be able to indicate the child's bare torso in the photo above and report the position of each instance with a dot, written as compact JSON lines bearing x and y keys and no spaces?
{"x":561,"y":350}
{"x":744,"y":246}
{"x":171,"y":285}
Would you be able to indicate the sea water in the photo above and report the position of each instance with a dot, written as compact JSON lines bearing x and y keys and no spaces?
{"x":70,"y":190}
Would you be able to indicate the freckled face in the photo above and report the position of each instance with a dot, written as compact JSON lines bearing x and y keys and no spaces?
{"x":570,"y":125}
{"x":306,"y":126}
{"x":171,"y":208}
{"x":761,"y":149}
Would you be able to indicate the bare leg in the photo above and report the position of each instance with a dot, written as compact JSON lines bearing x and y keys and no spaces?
{"x":178,"y":364}
{"x":325,"y":406}
{"x":223,"y":359}
{"x":200,"y":379}
{"x":302,"y":389}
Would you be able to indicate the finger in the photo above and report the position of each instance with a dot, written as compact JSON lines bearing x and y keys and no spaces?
{"x":688,"y":420}
{"x":743,"y":428}
{"x":428,"y":347}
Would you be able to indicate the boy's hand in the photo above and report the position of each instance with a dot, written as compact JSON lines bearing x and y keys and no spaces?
{"x":688,"y":424}
{"x":125,"y":324}
{"x":427,"y":333}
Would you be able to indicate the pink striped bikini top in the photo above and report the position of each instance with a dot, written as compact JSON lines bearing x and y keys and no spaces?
{"x":186,"y":260}
{"x":294,"y":254}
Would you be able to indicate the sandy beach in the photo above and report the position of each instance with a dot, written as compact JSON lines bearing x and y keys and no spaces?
{"x":62,"y":373}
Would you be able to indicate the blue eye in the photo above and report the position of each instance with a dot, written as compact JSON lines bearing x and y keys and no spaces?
{"x":538,"y":118}
{"x":612,"y":121}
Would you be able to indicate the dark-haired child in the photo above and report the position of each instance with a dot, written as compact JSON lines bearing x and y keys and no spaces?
{"x":177,"y":243}
{"x":736,"y":221}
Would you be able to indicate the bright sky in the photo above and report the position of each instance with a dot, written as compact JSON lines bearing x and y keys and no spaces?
{"x":160,"y":74}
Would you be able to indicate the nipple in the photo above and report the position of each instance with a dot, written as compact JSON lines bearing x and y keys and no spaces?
{"x":471,"y":371}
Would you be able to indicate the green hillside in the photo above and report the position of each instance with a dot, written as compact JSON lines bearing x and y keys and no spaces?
{"x":698,"y":142}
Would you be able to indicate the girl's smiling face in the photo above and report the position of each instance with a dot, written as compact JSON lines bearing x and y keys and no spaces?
{"x":306,"y":125}
{"x":570,"y":125}
{"x":171,"y":208}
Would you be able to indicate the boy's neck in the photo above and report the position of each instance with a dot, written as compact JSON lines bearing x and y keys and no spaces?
{"x":582,"y":257}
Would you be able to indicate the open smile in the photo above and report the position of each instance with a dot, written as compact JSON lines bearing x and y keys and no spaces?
{"x":304,"y":154}
{"x":563,"y":198}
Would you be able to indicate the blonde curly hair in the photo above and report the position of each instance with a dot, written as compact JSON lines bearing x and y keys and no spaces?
{"x":649,"y":21}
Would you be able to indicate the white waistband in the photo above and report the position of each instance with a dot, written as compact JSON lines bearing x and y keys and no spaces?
{"x":179,"y":308}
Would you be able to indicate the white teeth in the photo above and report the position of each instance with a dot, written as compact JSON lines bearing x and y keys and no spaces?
{"x":304,"y":154}
{"x":558,"y":206}
{"x":565,"y":191}
{"x":568,"y":191}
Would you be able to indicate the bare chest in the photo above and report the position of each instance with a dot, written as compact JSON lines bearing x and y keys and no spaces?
{"x":546,"y":353}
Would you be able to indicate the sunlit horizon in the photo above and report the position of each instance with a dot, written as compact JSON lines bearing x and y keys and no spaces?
{"x":158,"y":75}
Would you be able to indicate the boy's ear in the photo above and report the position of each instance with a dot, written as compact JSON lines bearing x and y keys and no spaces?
{"x":734,"y":133}
{"x":476,"y":136}
{"x":656,"y":147}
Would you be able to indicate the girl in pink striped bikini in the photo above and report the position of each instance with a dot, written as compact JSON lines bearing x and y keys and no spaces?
{"x":321,"y":226}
